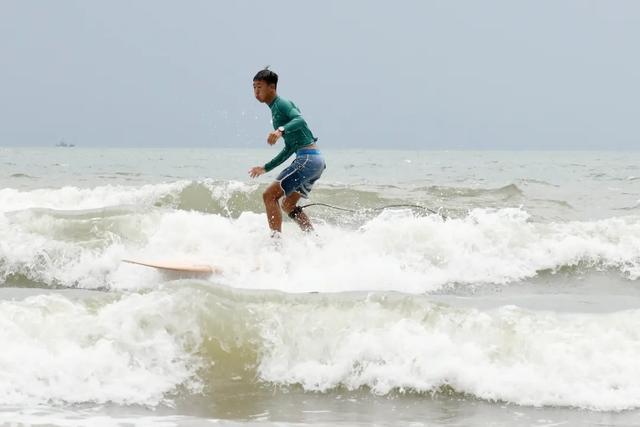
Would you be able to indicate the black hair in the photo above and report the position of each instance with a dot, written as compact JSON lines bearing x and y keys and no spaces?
{"x":266,"y":75}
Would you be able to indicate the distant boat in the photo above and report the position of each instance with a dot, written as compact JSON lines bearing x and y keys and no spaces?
{"x":62,"y":143}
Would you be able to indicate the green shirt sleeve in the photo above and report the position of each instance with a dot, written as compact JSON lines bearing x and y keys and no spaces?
{"x":296,"y":121}
{"x":281,"y":157}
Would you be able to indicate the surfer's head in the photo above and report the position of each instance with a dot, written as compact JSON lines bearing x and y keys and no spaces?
{"x":265,"y":84}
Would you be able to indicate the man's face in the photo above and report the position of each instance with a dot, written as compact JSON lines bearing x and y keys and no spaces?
{"x":263,"y":91}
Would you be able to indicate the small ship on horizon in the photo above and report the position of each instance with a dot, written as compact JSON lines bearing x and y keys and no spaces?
{"x":62,"y":143}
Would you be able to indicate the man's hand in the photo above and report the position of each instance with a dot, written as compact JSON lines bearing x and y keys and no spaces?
{"x":273,"y":137}
{"x":256,"y":171}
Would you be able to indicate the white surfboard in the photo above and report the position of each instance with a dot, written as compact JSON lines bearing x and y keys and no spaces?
{"x":183,"y":267}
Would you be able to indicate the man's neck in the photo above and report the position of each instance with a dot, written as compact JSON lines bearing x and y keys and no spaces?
{"x":270,"y":101}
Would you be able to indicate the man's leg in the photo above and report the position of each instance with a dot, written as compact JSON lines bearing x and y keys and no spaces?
{"x":271,"y":196}
{"x":289,"y":206}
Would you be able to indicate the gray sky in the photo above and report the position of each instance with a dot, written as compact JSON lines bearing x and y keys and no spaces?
{"x":544,"y":74}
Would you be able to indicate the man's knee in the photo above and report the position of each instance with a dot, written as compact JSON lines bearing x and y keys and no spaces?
{"x":287,"y":206}
{"x":270,"y":196}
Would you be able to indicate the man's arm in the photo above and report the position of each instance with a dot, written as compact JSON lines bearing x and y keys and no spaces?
{"x":277,"y":160}
{"x":296,"y":121}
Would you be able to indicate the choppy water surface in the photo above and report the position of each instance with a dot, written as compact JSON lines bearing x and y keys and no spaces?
{"x":519,"y":305}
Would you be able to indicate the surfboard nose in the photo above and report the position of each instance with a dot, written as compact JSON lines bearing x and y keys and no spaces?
{"x":184,"y":267}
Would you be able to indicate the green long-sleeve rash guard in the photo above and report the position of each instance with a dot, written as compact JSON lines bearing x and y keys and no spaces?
{"x":296,"y":131}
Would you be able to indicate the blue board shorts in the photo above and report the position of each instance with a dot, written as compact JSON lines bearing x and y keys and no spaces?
{"x":302,"y":173}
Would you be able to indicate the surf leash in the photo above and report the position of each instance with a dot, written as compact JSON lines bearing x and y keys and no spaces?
{"x":381,"y":208}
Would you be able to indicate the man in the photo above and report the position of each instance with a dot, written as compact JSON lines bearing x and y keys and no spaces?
{"x":297,"y":179}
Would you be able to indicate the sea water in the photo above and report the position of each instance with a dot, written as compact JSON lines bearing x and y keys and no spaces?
{"x":516,"y":303}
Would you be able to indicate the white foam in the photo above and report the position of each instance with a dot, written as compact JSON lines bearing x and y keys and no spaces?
{"x":509,"y":354}
{"x":394,"y":251}
{"x":224,"y":190}
{"x":86,"y":198}
{"x":397,"y":251}
{"x":137,"y":348}
{"x":132,"y":350}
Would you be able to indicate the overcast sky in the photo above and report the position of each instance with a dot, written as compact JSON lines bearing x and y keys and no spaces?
{"x":543,"y":74}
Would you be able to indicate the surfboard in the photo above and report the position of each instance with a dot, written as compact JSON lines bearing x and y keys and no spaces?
{"x":183,"y":267}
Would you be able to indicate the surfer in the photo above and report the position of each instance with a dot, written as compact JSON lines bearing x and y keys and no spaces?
{"x":297,"y":179}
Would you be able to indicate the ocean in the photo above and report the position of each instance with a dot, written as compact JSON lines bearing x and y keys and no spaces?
{"x":513,"y":300}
